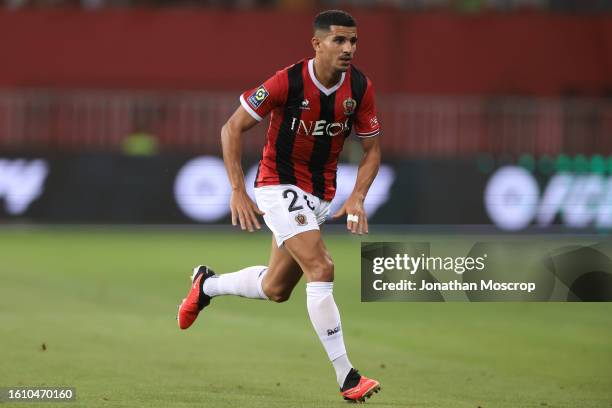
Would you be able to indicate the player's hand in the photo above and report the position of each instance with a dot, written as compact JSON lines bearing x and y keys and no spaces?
{"x":244,"y":211}
{"x":353,"y":207}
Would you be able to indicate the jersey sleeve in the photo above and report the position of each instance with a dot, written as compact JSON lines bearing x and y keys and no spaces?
{"x":260,"y":101}
{"x":366,"y":122}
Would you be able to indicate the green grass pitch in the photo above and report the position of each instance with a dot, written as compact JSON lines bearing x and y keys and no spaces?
{"x":103,"y":301}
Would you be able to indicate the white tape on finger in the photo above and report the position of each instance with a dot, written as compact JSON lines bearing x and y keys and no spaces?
{"x":352,"y":218}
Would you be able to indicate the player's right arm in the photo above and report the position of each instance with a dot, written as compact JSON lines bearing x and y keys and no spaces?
{"x":255,"y":104}
{"x":244,"y":210}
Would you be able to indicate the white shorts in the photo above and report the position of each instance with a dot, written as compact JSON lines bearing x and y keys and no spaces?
{"x":289,"y":210}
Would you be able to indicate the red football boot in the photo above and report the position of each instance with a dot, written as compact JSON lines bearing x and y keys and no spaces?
{"x":196,"y":299}
{"x":357,"y":388}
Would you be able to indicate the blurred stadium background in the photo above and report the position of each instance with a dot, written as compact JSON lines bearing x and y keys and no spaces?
{"x":497,"y":118}
{"x":105,"y":96}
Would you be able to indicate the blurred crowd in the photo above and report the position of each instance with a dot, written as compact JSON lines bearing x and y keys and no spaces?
{"x":570,"y":6}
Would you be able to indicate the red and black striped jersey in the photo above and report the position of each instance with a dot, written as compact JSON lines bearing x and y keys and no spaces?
{"x":309,"y":125}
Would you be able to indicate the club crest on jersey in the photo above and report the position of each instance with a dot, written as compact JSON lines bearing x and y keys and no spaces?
{"x":301,"y":219}
{"x":257,"y":97}
{"x":349,"y":106}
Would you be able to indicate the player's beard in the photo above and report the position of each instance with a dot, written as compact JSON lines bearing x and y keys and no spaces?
{"x":343,"y":68}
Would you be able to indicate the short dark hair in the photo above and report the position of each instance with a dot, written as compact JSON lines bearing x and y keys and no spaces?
{"x":329,"y":18}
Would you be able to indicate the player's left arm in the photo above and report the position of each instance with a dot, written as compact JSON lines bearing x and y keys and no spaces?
{"x":367,"y":129}
{"x":368,"y":168}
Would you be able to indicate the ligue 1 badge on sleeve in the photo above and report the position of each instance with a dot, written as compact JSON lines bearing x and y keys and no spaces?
{"x":257,"y":97}
{"x":349,"y":106}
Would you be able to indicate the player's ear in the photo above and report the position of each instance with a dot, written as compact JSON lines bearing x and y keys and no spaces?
{"x":316,"y":42}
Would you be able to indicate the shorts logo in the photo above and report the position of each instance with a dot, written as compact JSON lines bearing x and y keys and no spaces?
{"x":349,"y":106}
{"x":257,"y":97}
{"x":301,"y":219}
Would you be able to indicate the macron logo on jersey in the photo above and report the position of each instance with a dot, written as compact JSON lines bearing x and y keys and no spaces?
{"x":257,"y":97}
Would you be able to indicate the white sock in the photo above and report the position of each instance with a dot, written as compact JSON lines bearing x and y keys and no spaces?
{"x":325,"y":319}
{"x":246,"y":283}
{"x":343,"y":366}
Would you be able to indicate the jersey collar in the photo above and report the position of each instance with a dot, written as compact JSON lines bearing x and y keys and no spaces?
{"x":326,"y":91}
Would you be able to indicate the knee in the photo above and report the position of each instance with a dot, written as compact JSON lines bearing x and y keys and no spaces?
{"x":322,"y":270}
{"x":277,"y":294}
{"x":279,"y":297}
